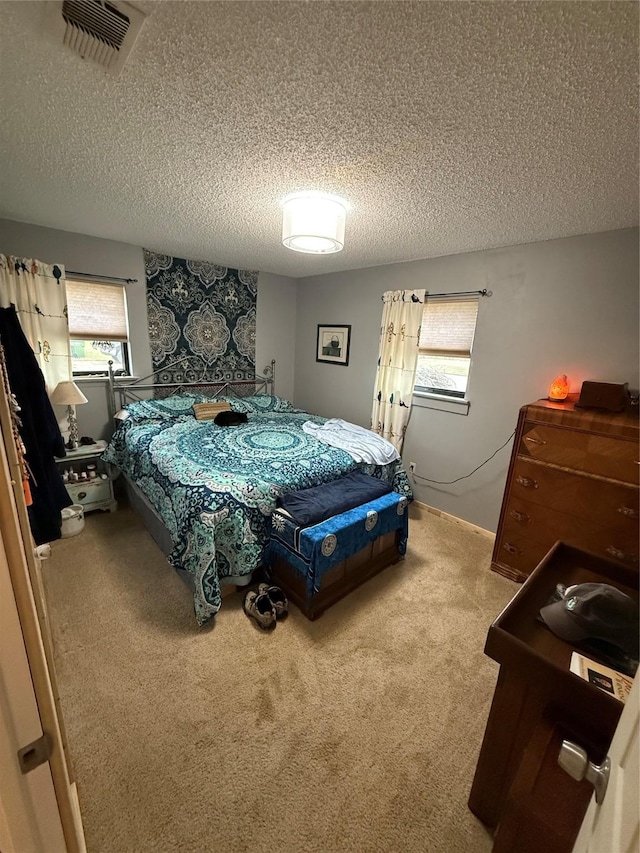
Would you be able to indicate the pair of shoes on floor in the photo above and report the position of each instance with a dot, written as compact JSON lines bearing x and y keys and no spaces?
{"x":266,"y":606}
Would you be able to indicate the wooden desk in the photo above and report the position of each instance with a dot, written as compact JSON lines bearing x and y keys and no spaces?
{"x":518,"y":786}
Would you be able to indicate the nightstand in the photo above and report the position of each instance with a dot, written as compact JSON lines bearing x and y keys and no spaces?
{"x":92,"y":492}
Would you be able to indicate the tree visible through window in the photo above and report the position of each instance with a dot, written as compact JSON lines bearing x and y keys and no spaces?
{"x":97,"y":327}
{"x":446,"y":339}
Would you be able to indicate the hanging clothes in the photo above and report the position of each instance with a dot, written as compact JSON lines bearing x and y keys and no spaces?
{"x":16,"y":423}
{"x":39,"y":430}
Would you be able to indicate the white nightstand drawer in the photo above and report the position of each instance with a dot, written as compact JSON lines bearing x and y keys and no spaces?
{"x":90,"y":492}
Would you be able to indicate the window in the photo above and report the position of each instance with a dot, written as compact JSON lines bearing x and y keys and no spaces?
{"x":446,"y":338}
{"x":97,"y":327}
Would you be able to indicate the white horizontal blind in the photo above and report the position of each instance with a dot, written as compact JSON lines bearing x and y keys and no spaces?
{"x":96,"y":311}
{"x":448,"y":327}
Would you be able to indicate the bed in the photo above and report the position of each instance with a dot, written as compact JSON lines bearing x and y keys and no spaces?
{"x":206,"y":492}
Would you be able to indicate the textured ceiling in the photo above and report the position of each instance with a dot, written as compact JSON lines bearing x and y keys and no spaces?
{"x":448,"y":126}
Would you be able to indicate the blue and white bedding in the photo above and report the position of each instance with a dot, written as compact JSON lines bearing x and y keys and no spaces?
{"x":215,"y":487}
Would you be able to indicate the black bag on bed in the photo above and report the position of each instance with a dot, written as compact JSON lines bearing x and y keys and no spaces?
{"x":230,"y":418}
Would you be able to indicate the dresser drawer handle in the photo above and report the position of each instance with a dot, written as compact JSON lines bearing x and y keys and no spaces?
{"x":527,"y":482}
{"x":629,"y":511}
{"x":521,"y":517}
{"x":82,"y":495}
{"x":534,"y":440}
{"x":511,"y":549}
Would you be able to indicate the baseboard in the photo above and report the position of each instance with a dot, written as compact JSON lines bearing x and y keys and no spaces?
{"x":466,"y":524}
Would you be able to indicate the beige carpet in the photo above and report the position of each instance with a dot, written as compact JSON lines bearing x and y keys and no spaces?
{"x":359,"y":732}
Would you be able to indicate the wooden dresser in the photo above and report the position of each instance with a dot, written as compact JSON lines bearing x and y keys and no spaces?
{"x":519,"y":787}
{"x":573,"y":476}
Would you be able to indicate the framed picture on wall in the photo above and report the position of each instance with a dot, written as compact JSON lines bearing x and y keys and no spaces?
{"x":332,"y":345}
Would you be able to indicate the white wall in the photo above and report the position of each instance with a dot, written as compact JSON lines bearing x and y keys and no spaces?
{"x":562,"y":306}
{"x":81,"y":253}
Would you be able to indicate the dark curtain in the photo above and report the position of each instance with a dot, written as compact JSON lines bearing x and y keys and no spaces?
{"x":40,"y":431}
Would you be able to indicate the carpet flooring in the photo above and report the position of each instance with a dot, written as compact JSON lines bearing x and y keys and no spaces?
{"x":358,"y":732}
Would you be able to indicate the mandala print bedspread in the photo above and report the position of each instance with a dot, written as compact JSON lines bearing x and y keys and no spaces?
{"x":214,"y":487}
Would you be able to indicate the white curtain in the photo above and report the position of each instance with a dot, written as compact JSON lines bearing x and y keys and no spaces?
{"x":397,"y":361}
{"x":38,"y":293}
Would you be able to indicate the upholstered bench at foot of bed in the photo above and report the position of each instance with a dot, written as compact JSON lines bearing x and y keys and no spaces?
{"x":318,"y":565}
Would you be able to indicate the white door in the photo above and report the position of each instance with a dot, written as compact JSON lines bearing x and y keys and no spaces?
{"x":614,"y":826}
{"x":29,"y":817}
{"x":39,"y":810}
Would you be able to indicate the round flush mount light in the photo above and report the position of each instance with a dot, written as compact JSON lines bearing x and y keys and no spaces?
{"x":313,"y":222}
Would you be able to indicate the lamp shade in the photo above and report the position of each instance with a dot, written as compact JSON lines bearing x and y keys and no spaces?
{"x":67,"y":394}
{"x":313,"y":222}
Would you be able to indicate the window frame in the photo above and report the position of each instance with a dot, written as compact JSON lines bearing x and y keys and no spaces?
{"x":126,"y":357}
{"x":445,"y":394}
{"x":85,"y":374}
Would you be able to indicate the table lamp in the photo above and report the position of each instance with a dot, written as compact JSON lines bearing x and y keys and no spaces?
{"x":559,"y":388}
{"x":68,"y":394}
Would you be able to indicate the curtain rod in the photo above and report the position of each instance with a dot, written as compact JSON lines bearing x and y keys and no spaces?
{"x":428,"y":295}
{"x":484,"y":292}
{"x":103,"y":277}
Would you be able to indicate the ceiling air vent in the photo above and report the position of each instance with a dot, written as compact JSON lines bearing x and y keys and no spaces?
{"x":101,"y":31}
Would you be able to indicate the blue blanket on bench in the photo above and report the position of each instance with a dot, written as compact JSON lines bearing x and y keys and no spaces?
{"x":311,"y":506}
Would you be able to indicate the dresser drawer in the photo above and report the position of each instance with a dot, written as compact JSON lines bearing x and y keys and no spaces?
{"x":615,"y":458}
{"x":608,"y":504}
{"x":543,"y":522}
{"x":519,"y":553}
{"x":618,"y":541}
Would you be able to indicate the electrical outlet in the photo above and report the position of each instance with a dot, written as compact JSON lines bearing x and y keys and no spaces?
{"x":412,"y":468}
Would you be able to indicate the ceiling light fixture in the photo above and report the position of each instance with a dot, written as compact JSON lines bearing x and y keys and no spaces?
{"x":313,"y":222}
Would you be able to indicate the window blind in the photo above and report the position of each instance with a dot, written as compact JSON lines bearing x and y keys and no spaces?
{"x":448,"y":326}
{"x":96,"y":311}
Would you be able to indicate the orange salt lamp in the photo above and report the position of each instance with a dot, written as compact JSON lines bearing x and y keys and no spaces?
{"x":559,"y":388}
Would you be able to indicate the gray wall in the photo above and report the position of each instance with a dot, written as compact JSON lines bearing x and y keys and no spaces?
{"x":567,"y":306}
{"x":562,"y":306}
{"x":81,"y":253}
{"x":275,"y":335}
